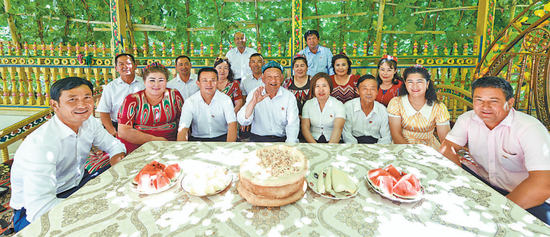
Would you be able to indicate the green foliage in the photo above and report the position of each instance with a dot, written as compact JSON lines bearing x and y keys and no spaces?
{"x":48,"y":21}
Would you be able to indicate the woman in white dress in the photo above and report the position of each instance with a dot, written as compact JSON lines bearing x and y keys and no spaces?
{"x":323,"y":116}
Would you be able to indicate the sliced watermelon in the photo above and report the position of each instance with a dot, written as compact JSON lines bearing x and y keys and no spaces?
{"x":146,"y":184}
{"x":385,"y":183}
{"x":405,"y":189}
{"x":162,"y":181}
{"x":172,"y":171}
{"x":393,"y":171}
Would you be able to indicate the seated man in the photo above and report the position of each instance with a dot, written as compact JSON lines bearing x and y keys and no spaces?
{"x":271,"y":110}
{"x":185,"y":81}
{"x":511,"y":149}
{"x":114,"y":93}
{"x":366,"y":119}
{"x":49,"y":164}
{"x":209,"y":112}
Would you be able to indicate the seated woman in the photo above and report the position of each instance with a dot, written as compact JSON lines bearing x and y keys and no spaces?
{"x":416,"y":112}
{"x":366,"y":119}
{"x":299,"y":83}
{"x":152,"y":114}
{"x":344,"y":82}
{"x":389,"y":79}
{"x":323,"y":116}
{"x":227,"y":83}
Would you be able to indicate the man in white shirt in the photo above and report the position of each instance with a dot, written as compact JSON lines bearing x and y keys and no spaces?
{"x":254,"y":79}
{"x":511,"y":150}
{"x":114,"y":93}
{"x":366,"y":119}
{"x":319,"y":58}
{"x":239,"y":56}
{"x":209,"y":112}
{"x":185,"y":81}
{"x":271,"y":110}
{"x":49,"y":164}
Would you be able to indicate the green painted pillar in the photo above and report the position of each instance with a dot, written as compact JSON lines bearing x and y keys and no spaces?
{"x":297,"y":42}
{"x":118,"y":27}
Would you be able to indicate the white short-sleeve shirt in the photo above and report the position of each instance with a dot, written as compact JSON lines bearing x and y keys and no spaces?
{"x":52,"y":160}
{"x":186,"y":89}
{"x":273,"y":117}
{"x":208,"y":120}
{"x":249,"y":83}
{"x":505,"y":154}
{"x":239,"y":61}
{"x":114,"y":93}
{"x":358,"y":124}
{"x":322,"y":123}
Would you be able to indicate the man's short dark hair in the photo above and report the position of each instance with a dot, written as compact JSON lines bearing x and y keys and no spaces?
{"x":182,"y":56}
{"x":367,"y":77}
{"x":311,"y":32}
{"x":66,"y":84}
{"x":206,"y":69}
{"x":494,"y":82}
{"x":125,"y":54}
{"x":256,"y":55}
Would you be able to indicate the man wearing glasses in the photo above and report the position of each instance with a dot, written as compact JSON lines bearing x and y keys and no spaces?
{"x":239,"y":56}
{"x":185,"y":81}
{"x":319,"y":58}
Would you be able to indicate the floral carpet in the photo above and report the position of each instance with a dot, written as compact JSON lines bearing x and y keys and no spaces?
{"x":96,"y":159}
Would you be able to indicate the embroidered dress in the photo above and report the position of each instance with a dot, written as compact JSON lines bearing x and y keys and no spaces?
{"x":159,"y":120}
{"x":418,"y":126}
{"x":233,"y":90}
{"x":300,"y":93}
{"x":384,"y":96}
{"x":345,"y":93}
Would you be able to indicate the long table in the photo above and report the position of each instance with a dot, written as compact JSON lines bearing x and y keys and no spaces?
{"x":455,"y":203}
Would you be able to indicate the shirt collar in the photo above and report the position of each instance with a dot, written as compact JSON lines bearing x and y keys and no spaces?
{"x":425,"y":111}
{"x":136,"y":79}
{"x":216,"y":95}
{"x":319,"y":49}
{"x":178,"y":78}
{"x":239,"y":52}
{"x":64,"y":130}
{"x":356,"y":104}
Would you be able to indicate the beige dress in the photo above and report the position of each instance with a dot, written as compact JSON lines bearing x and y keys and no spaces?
{"x":419,"y":126}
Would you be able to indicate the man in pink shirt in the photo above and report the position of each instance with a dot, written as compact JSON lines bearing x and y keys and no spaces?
{"x":511,"y":149}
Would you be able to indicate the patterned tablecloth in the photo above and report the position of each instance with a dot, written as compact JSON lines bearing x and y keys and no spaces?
{"x":455,"y":203}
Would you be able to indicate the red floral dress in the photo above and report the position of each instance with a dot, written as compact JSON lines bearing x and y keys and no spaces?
{"x":159,"y":120}
{"x":233,"y":90}
{"x":384,"y":97}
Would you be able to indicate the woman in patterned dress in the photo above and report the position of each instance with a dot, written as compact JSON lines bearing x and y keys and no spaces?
{"x":227,"y":83}
{"x":388,"y":79}
{"x":415,"y":114}
{"x":344,"y":82}
{"x":299,"y":83}
{"x":152,"y":114}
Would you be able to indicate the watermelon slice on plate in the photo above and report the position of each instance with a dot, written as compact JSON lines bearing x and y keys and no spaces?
{"x":155,"y":177}
{"x":395,"y":185}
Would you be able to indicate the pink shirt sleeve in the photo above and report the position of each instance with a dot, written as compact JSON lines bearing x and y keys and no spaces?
{"x":459,"y":134}
{"x":535,"y":143}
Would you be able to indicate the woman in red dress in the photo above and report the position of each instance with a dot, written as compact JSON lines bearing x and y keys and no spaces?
{"x":152,"y":114}
{"x":344,"y":82}
{"x":227,"y":83}
{"x":388,"y":79}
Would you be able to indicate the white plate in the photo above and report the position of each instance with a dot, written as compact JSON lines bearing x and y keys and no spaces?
{"x":312,"y":183}
{"x":187,"y":180}
{"x":392,"y":197}
{"x":133,"y":186}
